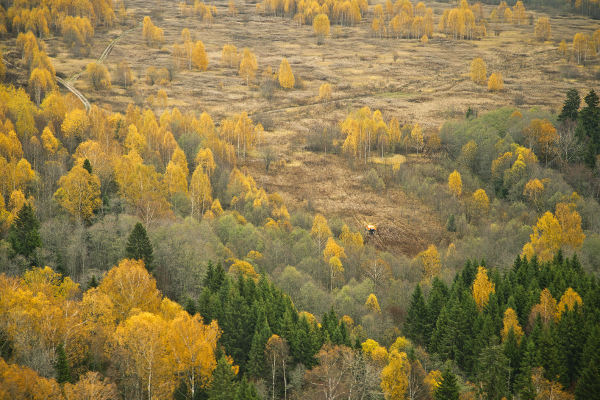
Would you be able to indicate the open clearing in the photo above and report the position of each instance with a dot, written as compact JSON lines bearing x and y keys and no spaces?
{"x":425,"y":85}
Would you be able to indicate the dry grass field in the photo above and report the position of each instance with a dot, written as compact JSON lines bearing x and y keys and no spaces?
{"x":402,"y":78}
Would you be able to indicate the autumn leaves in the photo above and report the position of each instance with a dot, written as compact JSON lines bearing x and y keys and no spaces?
{"x":479,"y":72}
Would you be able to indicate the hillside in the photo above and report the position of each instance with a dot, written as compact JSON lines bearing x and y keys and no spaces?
{"x":189,"y":220}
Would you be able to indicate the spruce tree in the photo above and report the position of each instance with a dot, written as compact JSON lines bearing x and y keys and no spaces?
{"x":23,"y":233}
{"x":138,"y":246}
{"x":416,"y":321}
{"x":190,"y":306}
{"x":223,"y":385}
{"x":570,"y":108}
{"x":256,"y":361}
{"x":87,"y":166}
{"x":92,"y":283}
{"x":588,"y":387}
{"x":246,"y":391}
{"x":493,"y":372}
{"x":63,"y":373}
{"x":589,"y":127}
{"x":448,"y":387}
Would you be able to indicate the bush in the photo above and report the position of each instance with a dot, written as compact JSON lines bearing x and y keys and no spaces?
{"x":373,"y":180}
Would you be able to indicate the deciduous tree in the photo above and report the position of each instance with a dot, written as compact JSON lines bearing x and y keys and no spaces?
{"x":478,"y":71}
{"x":79,"y":193}
{"x":248,"y":65}
{"x":455,"y":183}
{"x":286,"y":76}
{"x":321,"y":27}
{"x":98,"y":76}
{"x":495,"y":83}
{"x":482,"y":288}
{"x":199,"y":57}
{"x":325,"y":93}
{"x":542,"y":29}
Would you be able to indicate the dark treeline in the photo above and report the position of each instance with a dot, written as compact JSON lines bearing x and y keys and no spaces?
{"x":539,"y":319}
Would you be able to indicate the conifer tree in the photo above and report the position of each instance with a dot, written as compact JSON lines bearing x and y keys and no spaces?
{"x":416,"y":321}
{"x":448,"y":387}
{"x":493,"y":372}
{"x":23,"y":234}
{"x":570,"y":108}
{"x":63,"y":373}
{"x":93,"y":282}
{"x":87,"y":166}
{"x":256,"y":361}
{"x":223,"y":385}
{"x":139,"y":247}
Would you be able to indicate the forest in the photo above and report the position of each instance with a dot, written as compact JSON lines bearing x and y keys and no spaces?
{"x":181,"y":218}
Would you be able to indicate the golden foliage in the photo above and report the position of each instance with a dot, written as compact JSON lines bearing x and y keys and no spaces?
{"x":455,"y":183}
{"x":511,"y":321}
{"x":325,"y":93}
{"x":248,"y":65}
{"x":229,"y":55}
{"x":243,"y":267}
{"x":321,"y":25}
{"x":482,"y":288}
{"x":431,"y":263}
{"x":542,"y":29}
{"x":546,"y":308}
{"x":199,"y":57}
{"x":79,"y":193}
{"x":551,"y":232}
{"x":567,"y":302}
{"x":130,"y":286}
{"x":495,"y":83}
{"x":286,"y":76}
{"x":394,"y":377}
{"x":372,"y":304}
{"x":478,"y":71}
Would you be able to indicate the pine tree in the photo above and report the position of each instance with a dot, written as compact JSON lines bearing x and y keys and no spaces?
{"x":139,"y":247}
{"x":448,"y":387}
{"x":23,"y":234}
{"x":223,"y":385}
{"x":63,"y":373}
{"x":416,"y":321}
{"x":570,"y":108}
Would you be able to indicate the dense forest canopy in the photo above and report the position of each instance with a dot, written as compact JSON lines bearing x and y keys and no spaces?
{"x":143,"y":254}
